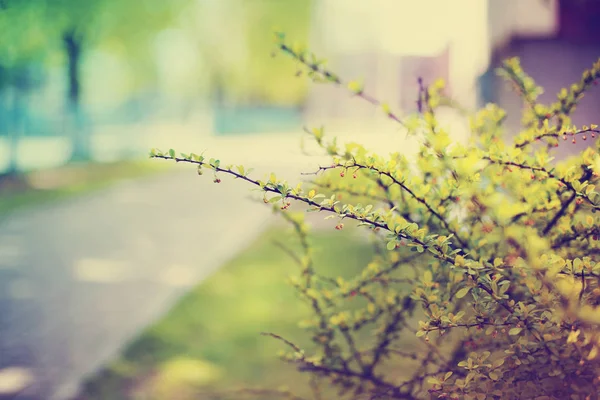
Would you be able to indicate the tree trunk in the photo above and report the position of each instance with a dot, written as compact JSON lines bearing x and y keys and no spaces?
{"x":80,"y":134}
{"x":10,"y":179}
{"x":15,"y":131}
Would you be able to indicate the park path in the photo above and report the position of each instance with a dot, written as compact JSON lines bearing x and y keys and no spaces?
{"x":79,"y":279}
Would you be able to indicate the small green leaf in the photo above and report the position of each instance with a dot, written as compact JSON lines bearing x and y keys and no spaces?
{"x":494,"y":376}
{"x":433,"y":380}
{"x":515,"y":331}
{"x":172,"y":153}
{"x":386,"y":108}
{"x":448,"y":375}
{"x":355,"y":87}
{"x":391,"y":245}
{"x":462,"y":292}
{"x":427,"y":276}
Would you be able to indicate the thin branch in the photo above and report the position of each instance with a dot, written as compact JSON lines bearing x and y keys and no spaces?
{"x":565,"y":205}
{"x":282,"y":339}
{"x":405,"y":188}
{"x":556,"y":134}
{"x":582,"y":285}
{"x":559,"y":214}
{"x":435,"y":250}
{"x":336,"y":80}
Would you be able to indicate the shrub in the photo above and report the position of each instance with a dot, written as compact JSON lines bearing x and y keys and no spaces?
{"x":485,"y":282}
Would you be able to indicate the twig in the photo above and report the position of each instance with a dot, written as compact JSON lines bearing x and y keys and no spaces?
{"x":280,"y":338}
{"x":335,"y":79}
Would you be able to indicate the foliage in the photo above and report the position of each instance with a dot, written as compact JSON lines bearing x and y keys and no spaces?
{"x":250,"y":79}
{"x":33,"y":33}
{"x":34,"y":27}
{"x":501,"y":283}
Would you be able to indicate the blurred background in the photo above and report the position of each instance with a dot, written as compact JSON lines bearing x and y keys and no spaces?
{"x":96,"y":243}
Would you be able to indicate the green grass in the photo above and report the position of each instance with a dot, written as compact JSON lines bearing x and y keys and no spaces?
{"x":40,"y":187}
{"x":212,"y":336}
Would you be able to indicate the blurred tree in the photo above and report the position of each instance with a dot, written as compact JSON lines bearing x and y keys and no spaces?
{"x":37,"y":29}
{"x":234,"y":37}
{"x":90,"y":23}
{"x":269,"y":81}
{"x":22,"y":42}
{"x":62,"y":32}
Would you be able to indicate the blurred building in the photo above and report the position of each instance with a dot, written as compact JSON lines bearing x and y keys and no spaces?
{"x":556,"y":41}
{"x":390,"y":43}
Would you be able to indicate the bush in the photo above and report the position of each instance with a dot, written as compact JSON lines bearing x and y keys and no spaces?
{"x":485,"y":282}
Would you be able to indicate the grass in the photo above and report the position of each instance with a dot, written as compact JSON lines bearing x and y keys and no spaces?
{"x":212,"y":336}
{"x":44,"y":186}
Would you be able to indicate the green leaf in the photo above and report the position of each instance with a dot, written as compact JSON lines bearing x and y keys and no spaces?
{"x":462,"y":292}
{"x":494,"y":376}
{"x":427,"y":276}
{"x":515,"y":331}
{"x":172,"y":153}
{"x":391,"y":245}
{"x":448,"y":375}
{"x":355,"y":87}
{"x":386,"y":108}
{"x":433,"y":380}
{"x":274,"y":199}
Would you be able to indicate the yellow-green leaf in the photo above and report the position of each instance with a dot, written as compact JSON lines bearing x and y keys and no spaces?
{"x":427,"y":277}
{"x":459,"y":261}
{"x":462,"y":292}
{"x":355,"y":87}
{"x":515,"y":331}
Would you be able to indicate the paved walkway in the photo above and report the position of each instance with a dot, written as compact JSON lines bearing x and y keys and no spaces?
{"x":81,"y":278}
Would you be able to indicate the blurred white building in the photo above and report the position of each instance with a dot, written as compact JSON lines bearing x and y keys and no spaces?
{"x":390,"y":43}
